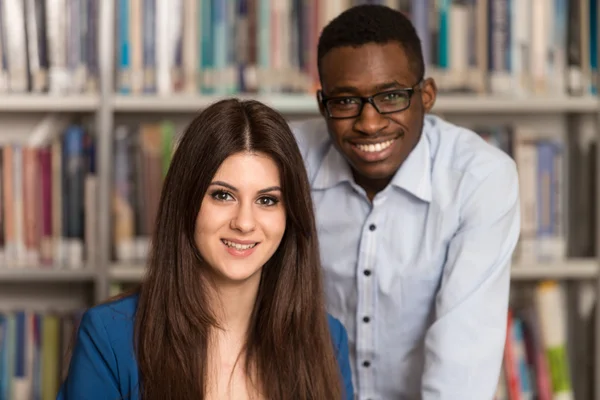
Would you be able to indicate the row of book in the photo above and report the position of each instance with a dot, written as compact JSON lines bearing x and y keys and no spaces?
{"x":143,"y":153}
{"x":142,"y":158}
{"x":48,"y":200}
{"x":544,"y":350}
{"x":49,"y":194}
{"x":35,"y":352}
{"x":511,"y":47}
{"x":49,"y":46}
{"x":541,"y":168}
{"x":550,"y":341}
{"x":504,"y":47}
{"x":536,"y":362}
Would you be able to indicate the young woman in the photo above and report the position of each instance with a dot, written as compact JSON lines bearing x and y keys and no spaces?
{"x":232,"y":304}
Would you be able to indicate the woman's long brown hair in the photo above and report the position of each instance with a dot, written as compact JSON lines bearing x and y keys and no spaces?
{"x":288,"y":344}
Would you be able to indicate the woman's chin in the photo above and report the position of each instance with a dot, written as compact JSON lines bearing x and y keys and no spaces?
{"x":238,"y":276}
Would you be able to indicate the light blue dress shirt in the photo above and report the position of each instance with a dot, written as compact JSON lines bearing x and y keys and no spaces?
{"x":419,"y":277}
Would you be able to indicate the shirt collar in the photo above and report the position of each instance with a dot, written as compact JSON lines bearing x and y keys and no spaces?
{"x":333,"y":170}
{"x":414,"y":175}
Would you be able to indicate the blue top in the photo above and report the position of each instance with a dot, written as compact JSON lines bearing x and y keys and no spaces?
{"x":103,"y":364}
{"x":427,"y":261}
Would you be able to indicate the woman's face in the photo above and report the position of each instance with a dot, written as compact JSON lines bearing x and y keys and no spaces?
{"x":242,"y":217}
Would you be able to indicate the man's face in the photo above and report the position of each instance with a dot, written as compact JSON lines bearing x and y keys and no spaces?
{"x":374,"y":144}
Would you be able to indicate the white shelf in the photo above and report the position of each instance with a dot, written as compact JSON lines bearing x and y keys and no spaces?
{"x":307,"y":104}
{"x":466,"y":104}
{"x":126,"y":273}
{"x":184,"y":103}
{"x":569,"y":269}
{"x":48,"y":103}
{"x":49,"y":274}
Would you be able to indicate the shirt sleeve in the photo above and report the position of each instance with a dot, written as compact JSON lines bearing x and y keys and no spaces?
{"x":92,"y":370}
{"x":464,"y":346}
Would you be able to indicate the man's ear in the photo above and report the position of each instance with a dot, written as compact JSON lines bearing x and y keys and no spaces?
{"x":320,"y":103}
{"x":428,"y":94}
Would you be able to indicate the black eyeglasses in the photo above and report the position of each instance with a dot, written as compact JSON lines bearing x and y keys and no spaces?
{"x":390,"y":101}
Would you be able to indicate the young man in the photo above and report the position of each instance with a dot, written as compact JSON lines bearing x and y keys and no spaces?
{"x":418,"y":218}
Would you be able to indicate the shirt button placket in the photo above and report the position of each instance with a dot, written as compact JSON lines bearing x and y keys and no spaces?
{"x":366,"y":312}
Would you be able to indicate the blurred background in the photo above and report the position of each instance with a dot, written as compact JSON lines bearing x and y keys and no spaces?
{"x":93,"y":94}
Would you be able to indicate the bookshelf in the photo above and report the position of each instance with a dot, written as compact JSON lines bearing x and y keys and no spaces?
{"x":573,"y":118}
{"x":306,"y":104}
{"x":28,"y":103}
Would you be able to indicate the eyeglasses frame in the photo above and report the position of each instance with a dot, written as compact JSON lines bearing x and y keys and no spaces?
{"x":367,"y":99}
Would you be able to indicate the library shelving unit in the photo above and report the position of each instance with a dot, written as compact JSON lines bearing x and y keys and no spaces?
{"x":86,"y":286}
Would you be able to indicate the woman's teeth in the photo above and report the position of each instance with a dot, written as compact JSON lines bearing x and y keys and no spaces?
{"x":238,"y":246}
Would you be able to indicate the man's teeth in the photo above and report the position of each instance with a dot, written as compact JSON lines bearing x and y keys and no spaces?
{"x":238,"y":246}
{"x":370,"y":148}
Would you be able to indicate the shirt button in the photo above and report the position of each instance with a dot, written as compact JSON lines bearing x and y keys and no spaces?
{"x":372,"y":227}
{"x":366,"y":319}
{"x":366,"y":364}
{"x":367,"y":272}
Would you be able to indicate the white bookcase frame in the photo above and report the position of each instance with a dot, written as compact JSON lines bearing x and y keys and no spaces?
{"x":106,"y":105}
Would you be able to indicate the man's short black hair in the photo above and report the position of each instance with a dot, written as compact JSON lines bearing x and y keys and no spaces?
{"x":371,"y":23}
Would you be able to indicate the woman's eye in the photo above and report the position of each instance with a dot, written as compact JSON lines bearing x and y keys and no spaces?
{"x":221,"y":195}
{"x":267,"y":201}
